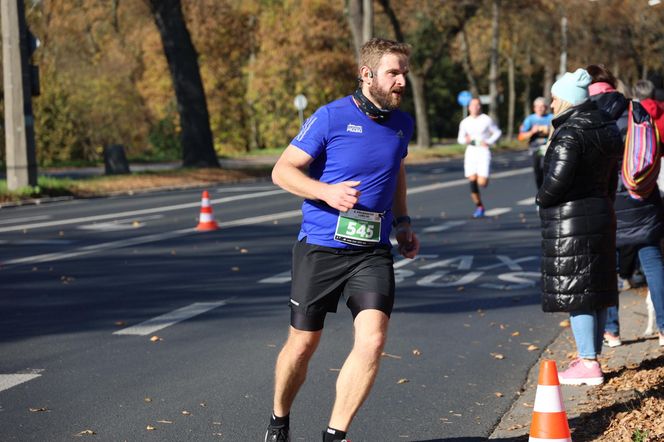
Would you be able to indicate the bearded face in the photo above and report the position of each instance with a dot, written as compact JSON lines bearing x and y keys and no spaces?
{"x":387,"y":98}
{"x":389,"y":82}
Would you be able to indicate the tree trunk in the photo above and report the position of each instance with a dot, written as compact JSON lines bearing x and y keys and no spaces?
{"x":196,"y":137}
{"x":527,"y":70}
{"x":467,"y":64}
{"x":417,"y":84}
{"x":493,"y":72}
{"x":512,"y":96}
{"x":417,"y":81}
{"x":548,"y":82}
{"x":367,"y":20}
{"x":355,"y":21}
{"x":563,"y":46}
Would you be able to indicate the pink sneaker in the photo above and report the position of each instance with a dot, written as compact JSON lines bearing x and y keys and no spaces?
{"x":581,"y":372}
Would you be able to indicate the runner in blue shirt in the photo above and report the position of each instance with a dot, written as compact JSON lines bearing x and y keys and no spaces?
{"x":347,"y":163}
{"x":535,"y":129}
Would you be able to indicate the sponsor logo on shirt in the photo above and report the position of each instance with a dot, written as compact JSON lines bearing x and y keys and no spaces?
{"x":354,"y":128}
{"x":400,"y":133}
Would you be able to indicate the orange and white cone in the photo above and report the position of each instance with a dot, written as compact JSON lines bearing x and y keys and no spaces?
{"x":206,"y":220}
{"x":549,"y":418}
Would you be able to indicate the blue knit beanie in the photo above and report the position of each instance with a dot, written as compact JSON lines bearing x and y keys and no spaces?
{"x":572,"y":87}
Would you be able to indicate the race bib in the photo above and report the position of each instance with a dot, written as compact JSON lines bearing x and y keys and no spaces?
{"x":358,"y":228}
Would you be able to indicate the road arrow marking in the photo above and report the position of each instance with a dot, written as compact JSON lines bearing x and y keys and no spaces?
{"x":166,"y":320}
{"x":8,"y":381}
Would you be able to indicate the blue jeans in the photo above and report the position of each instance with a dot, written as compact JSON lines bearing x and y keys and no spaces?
{"x":653,"y":268}
{"x":588,"y":330}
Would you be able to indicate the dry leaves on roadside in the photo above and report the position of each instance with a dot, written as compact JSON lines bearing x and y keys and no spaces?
{"x":38,"y":410}
{"x":164,"y":421}
{"x":186,"y":413}
{"x":86,"y":433}
{"x":497,"y":355}
{"x":150,"y":428}
{"x":498,"y":394}
{"x":532,"y":347}
{"x":156,"y":338}
{"x":403,"y":381}
{"x":564,"y":323}
{"x":417,"y":352}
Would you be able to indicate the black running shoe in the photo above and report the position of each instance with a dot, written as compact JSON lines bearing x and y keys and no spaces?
{"x":277,"y":434}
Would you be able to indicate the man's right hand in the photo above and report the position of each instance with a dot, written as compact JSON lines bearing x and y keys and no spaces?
{"x":342,"y":196}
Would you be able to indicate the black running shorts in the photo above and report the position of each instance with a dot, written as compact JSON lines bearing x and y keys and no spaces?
{"x":365,"y":277}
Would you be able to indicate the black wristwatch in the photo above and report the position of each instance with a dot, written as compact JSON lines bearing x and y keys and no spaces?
{"x":401,"y":219}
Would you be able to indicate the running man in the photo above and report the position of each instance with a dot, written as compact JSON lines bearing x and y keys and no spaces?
{"x":347,"y":163}
{"x":535,"y":129}
{"x":479,"y":133}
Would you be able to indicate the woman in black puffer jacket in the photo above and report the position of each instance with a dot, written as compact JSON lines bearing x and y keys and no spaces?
{"x":578,"y":221}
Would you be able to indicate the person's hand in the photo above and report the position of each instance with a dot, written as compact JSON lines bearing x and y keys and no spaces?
{"x":409,"y":245}
{"x":484,"y":144}
{"x":468,"y":139}
{"x":342,"y":196}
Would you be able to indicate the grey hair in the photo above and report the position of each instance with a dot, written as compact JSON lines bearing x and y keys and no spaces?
{"x":643,"y":89}
{"x":540,"y":100}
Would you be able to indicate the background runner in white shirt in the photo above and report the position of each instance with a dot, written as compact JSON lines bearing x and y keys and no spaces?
{"x":478,"y":132}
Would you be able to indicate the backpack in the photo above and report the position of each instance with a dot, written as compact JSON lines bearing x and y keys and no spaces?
{"x":641,"y":158}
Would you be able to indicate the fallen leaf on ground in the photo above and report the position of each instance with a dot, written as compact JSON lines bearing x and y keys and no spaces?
{"x":150,"y":428}
{"x":516,"y":333}
{"x":147,"y":399}
{"x":403,"y":381}
{"x":165,"y":422}
{"x":186,"y":413}
{"x":155,"y":338}
{"x":498,"y":355}
{"x":533,"y":347}
{"x":564,"y":323}
{"x":86,"y":433}
{"x":498,"y":394}
{"x":37,"y":410}
{"x":417,"y":352}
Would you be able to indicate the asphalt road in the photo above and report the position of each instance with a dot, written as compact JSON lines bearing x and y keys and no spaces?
{"x":86,"y":284}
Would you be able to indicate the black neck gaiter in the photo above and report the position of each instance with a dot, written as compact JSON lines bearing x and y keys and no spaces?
{"x":369,"y":108}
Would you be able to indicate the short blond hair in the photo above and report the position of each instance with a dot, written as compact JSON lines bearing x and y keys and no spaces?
{"x":373,"y":50}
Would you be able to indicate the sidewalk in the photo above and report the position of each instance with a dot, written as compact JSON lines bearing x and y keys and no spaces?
{"x":588,"y":411}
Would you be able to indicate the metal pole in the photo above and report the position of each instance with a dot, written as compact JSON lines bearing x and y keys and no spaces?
{"x":19,"y":122}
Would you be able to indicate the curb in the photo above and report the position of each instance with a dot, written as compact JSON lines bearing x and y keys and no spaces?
{"x":515,"y":424}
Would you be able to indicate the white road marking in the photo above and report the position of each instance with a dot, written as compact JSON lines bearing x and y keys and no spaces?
{"x":464,"y":181}
{"x":130,"y":213}
{"x":527,"y":201}
{"x":497,"y":211}
{"x":36,"y":242}
{"x":120,"y":224}
{"x":8,"y":381}
{"x":23,"y":220}
{"x":243,"y":189}
{"x":189,"y":231}
{"x":168,"y":319}
{"x":442,"y":227}
{"x":279,"y":278}
{"x":47,"y":257}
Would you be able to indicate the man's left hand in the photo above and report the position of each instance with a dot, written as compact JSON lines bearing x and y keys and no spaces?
{"x":409,"y":245}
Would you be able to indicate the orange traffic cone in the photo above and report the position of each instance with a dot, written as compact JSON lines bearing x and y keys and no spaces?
{"x":549,"y":417}
{"x":206,"y":220}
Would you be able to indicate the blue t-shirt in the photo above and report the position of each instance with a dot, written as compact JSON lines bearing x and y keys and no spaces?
{"x":535,"y":120}
{"x":347,"y":145}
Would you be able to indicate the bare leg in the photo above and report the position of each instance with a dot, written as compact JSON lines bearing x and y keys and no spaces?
{"x":361,"y":367}
{"x":483,"y":181}
{"x":291,"y":368}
